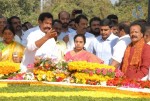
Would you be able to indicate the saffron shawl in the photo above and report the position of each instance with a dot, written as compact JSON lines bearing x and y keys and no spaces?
{"x":136,"y":57}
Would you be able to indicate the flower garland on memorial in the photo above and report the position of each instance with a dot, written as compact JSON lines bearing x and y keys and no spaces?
{"x":49,"y":70}
{"x":125,"y":82}
{"x":92,"y":73}
{"x":8,"y":69}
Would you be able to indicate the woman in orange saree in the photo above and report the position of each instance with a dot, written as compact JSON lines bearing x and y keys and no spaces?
{"x":10,"y":50}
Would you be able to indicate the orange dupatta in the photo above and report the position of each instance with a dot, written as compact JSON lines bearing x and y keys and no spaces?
{"x":136,"y":57}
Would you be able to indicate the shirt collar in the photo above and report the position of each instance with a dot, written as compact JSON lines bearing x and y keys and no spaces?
{"x":109,"y":38}
{"x":124,"y":36}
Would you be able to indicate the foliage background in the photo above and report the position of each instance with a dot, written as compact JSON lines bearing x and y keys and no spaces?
{"x":29,"y":10}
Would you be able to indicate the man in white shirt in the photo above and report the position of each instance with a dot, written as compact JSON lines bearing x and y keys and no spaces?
{"x":40,"y":42}
{"x":103,"y":45}
{"x":81,"y":23}
{"x":94,"y":26}
{"x":64,"y":17}
{"x":120,"y":47}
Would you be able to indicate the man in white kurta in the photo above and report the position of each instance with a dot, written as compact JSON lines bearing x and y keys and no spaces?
{"x":120,"y":47}
{"x":81,"y":22}
{"x":102,"y":47}
{"x":40,"y":42}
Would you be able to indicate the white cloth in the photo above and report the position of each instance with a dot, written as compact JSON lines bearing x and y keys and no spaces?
{"x":89,"y":38}
{"x":48,"y":49}
{"x":103,"y":48}
{"x":63,"y":34}
{"x":120,"y":47}
{"x":26,"y":34}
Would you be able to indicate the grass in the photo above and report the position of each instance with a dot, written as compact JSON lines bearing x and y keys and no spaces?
{"x":56,"y":93}
{"x":53,"y":98}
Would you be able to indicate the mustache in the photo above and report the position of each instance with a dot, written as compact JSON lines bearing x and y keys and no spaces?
{"x":18,"y":26}
{"x":65,"y":24}
{"x":133,"y":36}
{"x":47,"y":28}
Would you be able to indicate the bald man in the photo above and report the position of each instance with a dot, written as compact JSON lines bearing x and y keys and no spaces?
{"x":64,"y":17}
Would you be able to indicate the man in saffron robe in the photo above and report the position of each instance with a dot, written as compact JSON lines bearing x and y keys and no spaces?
{"x":136,"y":60}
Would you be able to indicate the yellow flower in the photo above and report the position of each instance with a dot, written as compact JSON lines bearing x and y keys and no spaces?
{"x":82,"y":65}
{"x":9,"y":67}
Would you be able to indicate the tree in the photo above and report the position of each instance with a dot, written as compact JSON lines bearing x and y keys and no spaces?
{"x":25,"y":9}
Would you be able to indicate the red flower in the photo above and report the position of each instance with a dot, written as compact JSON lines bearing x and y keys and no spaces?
{"x":91,"y":73}
{"x":59,"y":79}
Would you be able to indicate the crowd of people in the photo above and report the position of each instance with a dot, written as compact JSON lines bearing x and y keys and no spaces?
{"x":124,"y":45}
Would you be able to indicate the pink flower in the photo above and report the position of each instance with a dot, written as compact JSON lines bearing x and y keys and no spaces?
{"x":110,"y":70}
{"x":91,"y":73}
{"x":104,"y":71}
{"x":98,"y":71}
{"x":30,"y":66}
{"x":118,"y":73}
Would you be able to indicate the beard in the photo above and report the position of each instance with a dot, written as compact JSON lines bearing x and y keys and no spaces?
{"x":18,"y":28}
{"x":65,"y":25}
{"x":96,"y":32}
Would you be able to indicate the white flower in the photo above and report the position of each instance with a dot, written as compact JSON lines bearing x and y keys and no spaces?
{"x":28,"y":76}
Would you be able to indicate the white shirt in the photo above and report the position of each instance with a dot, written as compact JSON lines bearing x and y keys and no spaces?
{"x":89,"y":38}
{"x":103,"y":48}
{"x":48,"y":49}
{"x":26,"y":34}
{"x":63,"y":34}
{"x":120,"y":48}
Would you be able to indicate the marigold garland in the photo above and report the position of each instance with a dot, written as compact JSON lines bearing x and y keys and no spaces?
{"x":82,"y":65}
{"x":91,"y":73}
{"x":82,"y":78}
{"x":8,"y":67}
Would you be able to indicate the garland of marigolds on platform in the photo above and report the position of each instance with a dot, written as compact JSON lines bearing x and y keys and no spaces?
{"x":8,"y":68}
{"x":92,"y":73}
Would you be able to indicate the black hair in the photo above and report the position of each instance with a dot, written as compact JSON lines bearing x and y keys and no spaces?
{"x":124,"y":26}
{"x":72,"y":20}
{"x":80,"y":35}
{"x":112,"y":16}
{"x":26,"y":23}
{"x":142,"y":21}
{"x":94,"y":19}
{"x":79,"y":17}
{"x":106,"y":22}
{"x":9,"y":28}
{"x":141,"y":26}
{"x":45,"y":15}
{"x":13,"y":17}
{"x":58,"y":21}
